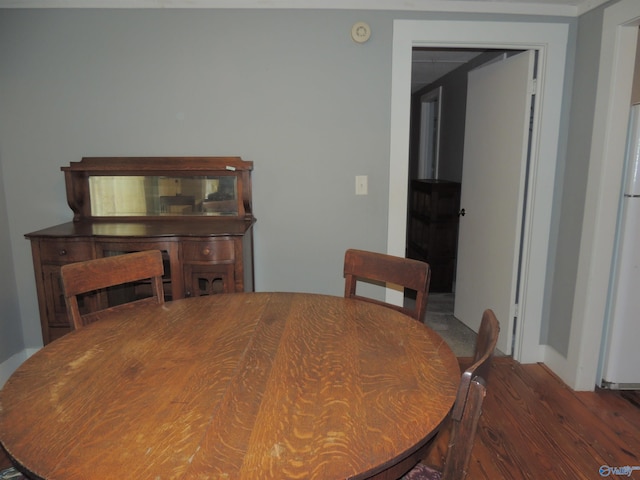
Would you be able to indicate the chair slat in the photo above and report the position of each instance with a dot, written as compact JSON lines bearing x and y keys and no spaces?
{"x":98,"y":274}
{"x":388,"y":269}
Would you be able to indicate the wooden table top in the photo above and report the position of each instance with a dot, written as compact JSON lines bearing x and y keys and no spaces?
{"x":237,"y":386}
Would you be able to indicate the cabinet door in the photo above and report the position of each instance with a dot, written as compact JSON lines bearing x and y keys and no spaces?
{"x":54,"y":297}
{"x":172,"y":282}
{"x":55,"y":322}
{"x":203,"y":279}
{"x":53,"y":253}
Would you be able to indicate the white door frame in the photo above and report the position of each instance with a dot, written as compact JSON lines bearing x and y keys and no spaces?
{"x":551,"y":41}
{"x":613,"y":99}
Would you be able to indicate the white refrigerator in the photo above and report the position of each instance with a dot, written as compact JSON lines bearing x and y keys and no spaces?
{"x":621,"y":359}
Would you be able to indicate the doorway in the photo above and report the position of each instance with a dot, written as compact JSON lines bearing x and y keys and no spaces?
{"x":495,"y":98}
{"x":439,"y":83}
{"x":550,"y":41}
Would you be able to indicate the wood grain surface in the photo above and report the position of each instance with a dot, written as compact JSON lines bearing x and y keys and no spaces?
{"x":238,"y":386}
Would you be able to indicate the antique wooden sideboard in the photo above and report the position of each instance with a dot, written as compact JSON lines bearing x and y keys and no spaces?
{"x":196,"y":210}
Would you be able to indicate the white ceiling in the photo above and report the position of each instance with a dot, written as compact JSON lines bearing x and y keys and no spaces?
{"x":430,"y":64}
{"x":570,"y":8}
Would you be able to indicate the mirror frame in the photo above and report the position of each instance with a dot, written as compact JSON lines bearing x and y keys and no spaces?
{"x":77,"y":176}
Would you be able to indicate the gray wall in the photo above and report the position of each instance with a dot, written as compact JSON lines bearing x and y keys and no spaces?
{"x":288,"y":90}
{"x":11,"y":341}
{"x":570,"y":193}
{"x":635,"y":93}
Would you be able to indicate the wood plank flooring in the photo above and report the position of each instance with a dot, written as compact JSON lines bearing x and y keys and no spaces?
{"x":535,"y":427}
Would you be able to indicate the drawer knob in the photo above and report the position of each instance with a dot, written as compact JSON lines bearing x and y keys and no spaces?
{"x":62,"y":252}
{"x":206,"y":251}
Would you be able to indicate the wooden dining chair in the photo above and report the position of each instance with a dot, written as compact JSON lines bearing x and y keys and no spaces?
{"x":464,"y":416}
{"x":96,"y":275}
{"x":483,"y":354}
{"x":461,"y":437}
{"x":360,"y":265}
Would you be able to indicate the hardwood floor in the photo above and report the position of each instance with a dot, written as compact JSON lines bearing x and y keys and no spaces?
{"x":535,"y":427}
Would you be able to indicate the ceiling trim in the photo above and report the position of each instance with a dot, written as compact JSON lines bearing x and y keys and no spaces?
{"x":545,"y":7}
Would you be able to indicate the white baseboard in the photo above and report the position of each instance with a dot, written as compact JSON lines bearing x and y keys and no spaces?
{"x":9,"y":366}
{"x":561,"y":366}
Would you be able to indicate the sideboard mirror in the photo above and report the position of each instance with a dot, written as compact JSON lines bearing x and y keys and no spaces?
{"x":159,"y":187}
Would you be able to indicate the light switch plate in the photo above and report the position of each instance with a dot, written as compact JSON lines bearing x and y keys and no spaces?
{"x":362,"y":184}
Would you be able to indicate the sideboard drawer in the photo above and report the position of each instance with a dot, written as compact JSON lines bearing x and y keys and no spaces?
{"x":218,"y":250}
{"x":65,"y":251}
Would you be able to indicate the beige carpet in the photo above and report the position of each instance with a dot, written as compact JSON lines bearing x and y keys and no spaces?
{"x":460,"y":338}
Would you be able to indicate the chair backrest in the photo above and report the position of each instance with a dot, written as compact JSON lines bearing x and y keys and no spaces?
{"x":388,"y":269}
{"x":96,"y":275}
{"x":485,"y":345}
{"x":482,"y":358}
{"x":463,"y":429}
{"x":466,"y":411}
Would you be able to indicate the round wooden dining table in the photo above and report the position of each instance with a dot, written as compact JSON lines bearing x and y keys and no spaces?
{"x":237,"y":386}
